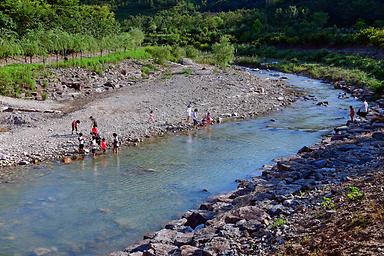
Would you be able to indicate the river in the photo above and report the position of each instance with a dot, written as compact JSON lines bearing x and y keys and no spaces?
{"x":96,"y":206}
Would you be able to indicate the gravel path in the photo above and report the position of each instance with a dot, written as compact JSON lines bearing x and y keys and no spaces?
{"x":34,"y":137}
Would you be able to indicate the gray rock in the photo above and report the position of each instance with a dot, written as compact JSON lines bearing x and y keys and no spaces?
{"x":320,"y":163}
{"x":142,"y":245}
{"x":165,"y":236}
{"x":198,"y":217}
{"x":41,"y":251}
{"x":378,"y":135}
{"x":186,"y":61}
{"x":175,"y":223}
{"x":164,"y":249}
{"x":305,"y":149}
{"x":23,"y":162}
{"x":3,"y":156}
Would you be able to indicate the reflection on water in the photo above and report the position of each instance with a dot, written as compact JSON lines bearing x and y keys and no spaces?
{"x":100,"y":205}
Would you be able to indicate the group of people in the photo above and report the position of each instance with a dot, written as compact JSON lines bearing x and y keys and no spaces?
{"x":360,"y":113}
{"x":97,"y":143}
{"x":192,"y":117}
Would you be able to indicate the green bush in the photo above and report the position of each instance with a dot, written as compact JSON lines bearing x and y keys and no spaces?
{"x":354,"y":193}
{"x":191,"y":52}
{"x":328,"y":203}
{"x":223,"y":52}
{"x":160,"y":54}
{"x":44,"y":96}
{"x":178,"y":53}
{"x":278,"y":223}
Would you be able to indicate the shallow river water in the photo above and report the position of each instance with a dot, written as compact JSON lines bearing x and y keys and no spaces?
{"x":96,"y":206}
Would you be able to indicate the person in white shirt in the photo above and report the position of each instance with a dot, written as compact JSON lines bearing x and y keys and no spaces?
{"x":189,"y":113}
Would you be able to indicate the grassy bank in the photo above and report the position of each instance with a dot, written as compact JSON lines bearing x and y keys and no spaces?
{"x":21,"y":78}
{"x":320,"y":64}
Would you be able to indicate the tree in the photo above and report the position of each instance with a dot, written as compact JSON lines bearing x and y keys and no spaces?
{"x":9,"y":48}
{"x":137,"y":37}
{"x":223,"y":52}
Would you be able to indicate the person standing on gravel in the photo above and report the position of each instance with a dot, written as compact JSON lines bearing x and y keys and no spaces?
{"x":93,"y":120}
{"x":189,"y":113}
{"x":351,"y":113}
{"x":75,"y":125}
{"x":194,"y":117}
{"x":151,"y":117}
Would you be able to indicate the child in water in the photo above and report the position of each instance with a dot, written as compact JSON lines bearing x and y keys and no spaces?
{"x":116,"y":143}
{"x":93,"y":147}
{"x":103,"y":145}
{"x":81,"y":143}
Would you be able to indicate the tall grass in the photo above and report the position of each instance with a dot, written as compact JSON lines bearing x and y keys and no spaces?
{"x":331,"y":73}
{"x":322,"y":63}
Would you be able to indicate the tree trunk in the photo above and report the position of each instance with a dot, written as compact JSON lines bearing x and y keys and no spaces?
{"x":30,"y":59}
{"x":57,"y":56}
{"x":25,"y":59}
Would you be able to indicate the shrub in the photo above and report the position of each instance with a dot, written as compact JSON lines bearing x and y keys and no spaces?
{"x":328,"y":203}
{"x":354,"y":193}
{"x":187,"y":71}
{"x":223,"y":52}
{"x":44,"y":95}
{"x":278,"y":223}
{"x":191,"y":52}
{"x":160,"y":54}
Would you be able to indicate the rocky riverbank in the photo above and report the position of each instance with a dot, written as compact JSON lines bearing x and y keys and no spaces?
{"x":120,"y":99}
{"x":326,"y":200}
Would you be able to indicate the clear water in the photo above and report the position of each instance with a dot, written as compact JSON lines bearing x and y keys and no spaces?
{"x":97,"y":206}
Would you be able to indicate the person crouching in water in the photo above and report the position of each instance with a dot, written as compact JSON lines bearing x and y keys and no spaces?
{"x":207,"y":120}
{"x":75,"y":125}
{"x":103,"y":145}
{"x":116,"y":143}
{"x":81,"y":143}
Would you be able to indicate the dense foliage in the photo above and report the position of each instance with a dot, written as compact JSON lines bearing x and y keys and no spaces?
{"x":38,"y":28}
{"x":175,"y":28}
{"x":322,"y":64}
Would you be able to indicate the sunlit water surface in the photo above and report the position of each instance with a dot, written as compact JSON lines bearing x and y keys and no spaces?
{"x":96,"y":206}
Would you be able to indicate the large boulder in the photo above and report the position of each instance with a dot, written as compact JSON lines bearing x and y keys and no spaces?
{"x":186,"y":62}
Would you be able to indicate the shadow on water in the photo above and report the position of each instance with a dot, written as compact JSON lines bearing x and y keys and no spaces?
{"x":96,"y":206}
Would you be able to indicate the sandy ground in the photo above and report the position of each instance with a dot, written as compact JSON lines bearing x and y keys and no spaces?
{"x":34,"y":137}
